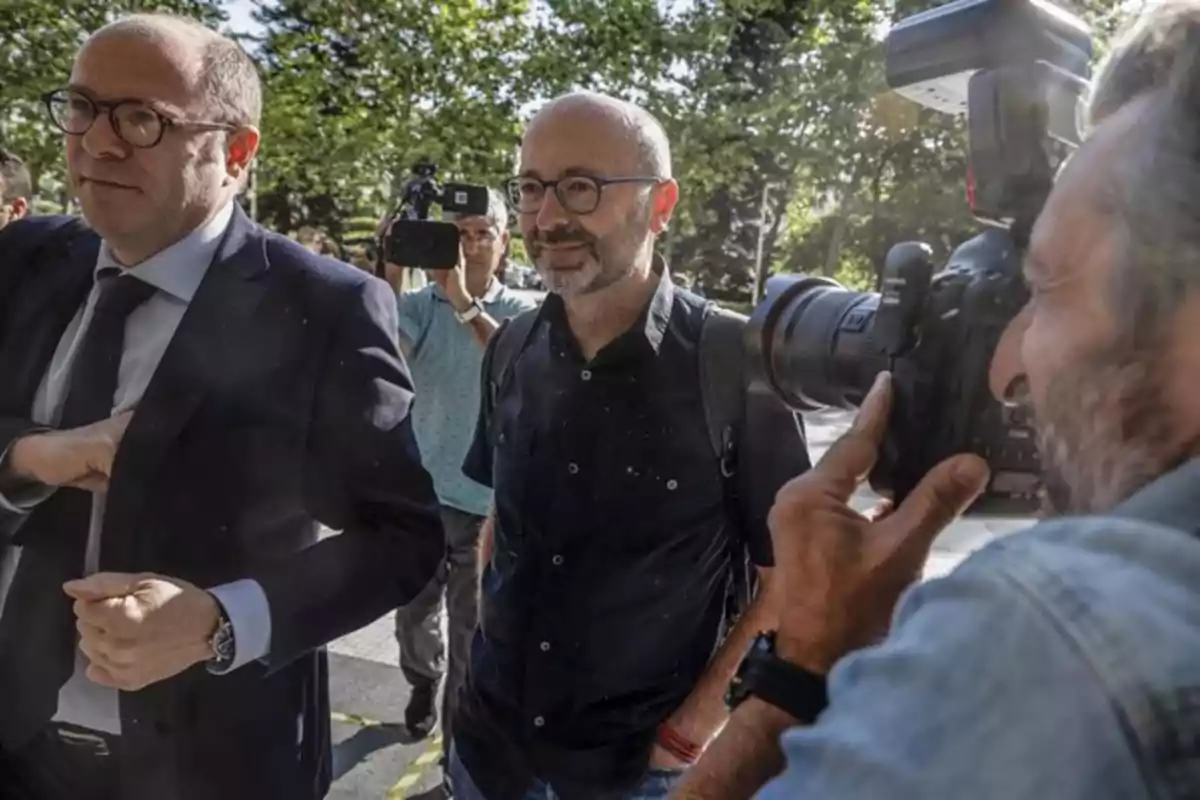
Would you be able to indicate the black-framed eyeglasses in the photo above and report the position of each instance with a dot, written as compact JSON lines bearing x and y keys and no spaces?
{"x":577,"y":194}
{"x":136,"y":123}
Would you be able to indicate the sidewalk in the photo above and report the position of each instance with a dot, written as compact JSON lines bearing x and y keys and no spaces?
{"x":373,"y":761}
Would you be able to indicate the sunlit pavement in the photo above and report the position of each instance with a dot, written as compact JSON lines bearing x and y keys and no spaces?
{"x":378,"y":761}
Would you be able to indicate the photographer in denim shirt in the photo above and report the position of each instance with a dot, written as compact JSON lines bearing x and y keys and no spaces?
{"x":443,"y":330}
{"x":1060,"y":662}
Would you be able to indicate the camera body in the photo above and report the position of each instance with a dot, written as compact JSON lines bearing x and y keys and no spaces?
{"x":415,"y":241}
{"x":1018,"y":69}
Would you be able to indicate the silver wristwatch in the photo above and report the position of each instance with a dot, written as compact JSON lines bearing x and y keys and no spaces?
{"x":222,"y":644}
{"x":472,"y":311}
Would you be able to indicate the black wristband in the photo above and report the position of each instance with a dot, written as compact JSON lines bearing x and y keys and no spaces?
{"x":763,"y":674}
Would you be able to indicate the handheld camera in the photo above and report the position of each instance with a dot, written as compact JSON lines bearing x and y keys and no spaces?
{"x":416,"y":241}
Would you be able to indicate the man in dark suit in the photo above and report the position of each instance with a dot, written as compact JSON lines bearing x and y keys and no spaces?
{"x":183,"y":396}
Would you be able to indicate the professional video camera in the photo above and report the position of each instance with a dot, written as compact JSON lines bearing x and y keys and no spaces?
{"x":413,"y":240}
{"x":1018,"y":69}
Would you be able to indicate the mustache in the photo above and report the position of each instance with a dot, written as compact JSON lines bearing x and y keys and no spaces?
{"x":562,"y":236}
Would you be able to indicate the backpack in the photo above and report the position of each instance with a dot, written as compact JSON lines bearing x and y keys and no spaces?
{"x":723,"y":394}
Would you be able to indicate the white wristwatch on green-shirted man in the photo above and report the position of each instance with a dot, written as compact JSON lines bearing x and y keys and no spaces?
{"x":472,"y":311}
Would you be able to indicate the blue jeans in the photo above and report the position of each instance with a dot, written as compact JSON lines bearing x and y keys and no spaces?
{"x":656,"y":785}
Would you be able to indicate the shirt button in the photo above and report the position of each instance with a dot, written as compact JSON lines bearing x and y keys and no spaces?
{"x":573,"y":468}
{"x":672,"y":484}
{"x":539,"y":722}
{"x":545,"y":647}
{"x":557,"y":561}
{"x":586,"y":374}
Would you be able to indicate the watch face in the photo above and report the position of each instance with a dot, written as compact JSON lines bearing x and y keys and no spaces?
{"x":223,"y":642}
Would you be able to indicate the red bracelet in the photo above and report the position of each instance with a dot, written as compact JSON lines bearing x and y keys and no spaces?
{"x":678,"y":745}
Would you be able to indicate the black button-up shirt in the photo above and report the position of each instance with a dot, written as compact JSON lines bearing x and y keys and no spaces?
{"x":604,"y":600}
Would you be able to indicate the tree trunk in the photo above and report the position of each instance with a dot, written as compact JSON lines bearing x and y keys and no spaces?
{"x":833,"y":256}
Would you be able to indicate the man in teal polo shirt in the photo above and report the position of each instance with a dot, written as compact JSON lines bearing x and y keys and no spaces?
{"x":443,"y":330}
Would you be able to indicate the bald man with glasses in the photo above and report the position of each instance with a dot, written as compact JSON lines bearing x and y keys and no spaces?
{"x":604,"y":648}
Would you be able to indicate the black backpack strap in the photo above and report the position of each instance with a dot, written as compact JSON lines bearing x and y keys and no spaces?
{"x":723,"y":387}
{"x":722,"y":382}
{"x":507,"y":343}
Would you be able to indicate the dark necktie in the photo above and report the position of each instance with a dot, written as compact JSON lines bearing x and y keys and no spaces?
{"x":37,"y":631}
{"x":93,"y":382}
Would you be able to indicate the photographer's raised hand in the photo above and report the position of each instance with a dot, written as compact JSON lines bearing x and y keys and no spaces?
{"x":842,"y":572}
{"x":454,"y":283}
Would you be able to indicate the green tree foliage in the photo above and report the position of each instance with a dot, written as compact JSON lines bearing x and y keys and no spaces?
{"x":790,"y":150}
{"x":360,"y":90}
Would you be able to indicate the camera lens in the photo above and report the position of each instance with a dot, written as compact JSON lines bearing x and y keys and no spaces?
{"x":817,"y":343}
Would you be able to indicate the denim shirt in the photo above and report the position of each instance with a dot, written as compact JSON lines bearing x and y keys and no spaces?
{"x":1062,"y":662}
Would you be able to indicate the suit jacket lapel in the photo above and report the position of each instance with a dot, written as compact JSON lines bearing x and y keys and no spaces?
{"x":38,"y":320}
{"x":199,"y":358}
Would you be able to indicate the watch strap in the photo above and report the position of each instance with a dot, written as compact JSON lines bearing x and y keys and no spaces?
{"x":765,"y":675}
{"x":470,"y":313}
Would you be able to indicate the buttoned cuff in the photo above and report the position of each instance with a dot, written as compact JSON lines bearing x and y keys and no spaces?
{"x":249,"y":613}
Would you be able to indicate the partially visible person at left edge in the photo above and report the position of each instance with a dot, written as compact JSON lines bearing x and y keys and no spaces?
{"x":182,"y":398}
{"x":16,"y":188}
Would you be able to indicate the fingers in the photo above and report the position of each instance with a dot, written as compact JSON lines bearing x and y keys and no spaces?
{"x":880,"y":510}
{"x":102,"y":586}
{"x":93,"y":482}
{"x":941,"y":496}
{"x":850,"y":458}
{"x":101,"y":675}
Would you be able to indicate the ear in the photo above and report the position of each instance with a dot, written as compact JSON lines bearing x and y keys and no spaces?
{"x":20,"y":207}
{"x":241,"y":149}
{"x":504,"y":237}
{"x":663,"y":200}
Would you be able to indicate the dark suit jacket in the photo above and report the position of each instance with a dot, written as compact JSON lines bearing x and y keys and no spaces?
{"x":281,"y":401}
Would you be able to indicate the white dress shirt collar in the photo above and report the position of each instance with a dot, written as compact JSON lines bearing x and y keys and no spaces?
{"x":179,"y":269}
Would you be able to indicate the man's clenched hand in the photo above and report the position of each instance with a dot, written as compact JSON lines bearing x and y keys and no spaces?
{"x":842,"y":572}
{"x":81,"y":458}
{"x":137,"y":630}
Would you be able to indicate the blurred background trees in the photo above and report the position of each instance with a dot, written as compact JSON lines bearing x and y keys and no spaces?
{"x":791,"y":153}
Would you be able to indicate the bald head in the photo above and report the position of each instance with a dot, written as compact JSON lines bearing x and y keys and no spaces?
{"x":594,"y":193}
{"x":215,"y":66}
{"x":615,"y":118}
{"x":178,"y":142}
